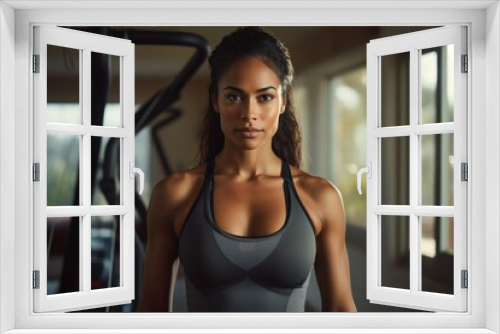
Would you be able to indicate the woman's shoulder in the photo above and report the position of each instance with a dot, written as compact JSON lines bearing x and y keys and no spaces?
{"x":173,"y":196}
{"x":314,"y":185}
{"x":180,"y":184}
{"x":321,"y":198}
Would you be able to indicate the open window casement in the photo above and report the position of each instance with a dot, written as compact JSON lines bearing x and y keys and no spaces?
{"x":63,"y":140}
{"x":416,"y":182}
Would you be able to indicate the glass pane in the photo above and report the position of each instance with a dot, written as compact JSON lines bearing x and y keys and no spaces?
{"x":63,"y":84}
{"x":395,"y":90}
{"x":437,"y":254}
{"x":105,"y":257}
{"x":395,"y":171}
{"x":105,"y":171}
{"x":63,"y":157}
{"x":63,"y":254}
{"x":105,"y":78}
{"x":437,"y":169}
{"x":437,"y":78}
{"x":395,"y":243}
{"x":348,"y":122}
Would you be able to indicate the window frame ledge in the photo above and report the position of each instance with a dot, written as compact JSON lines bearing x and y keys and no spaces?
{"x":266,"y":331}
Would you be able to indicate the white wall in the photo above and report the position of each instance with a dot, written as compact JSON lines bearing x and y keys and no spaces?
{"x":7,"y":161}
{"x":492,"y":157}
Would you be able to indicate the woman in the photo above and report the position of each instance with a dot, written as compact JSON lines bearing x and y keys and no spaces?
{"x":247,"y":225}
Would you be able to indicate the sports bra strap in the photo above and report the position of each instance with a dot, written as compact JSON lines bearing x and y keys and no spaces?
{"x":209,"y":174}
{"x":286,"y":172}
{"x":209,"y":171}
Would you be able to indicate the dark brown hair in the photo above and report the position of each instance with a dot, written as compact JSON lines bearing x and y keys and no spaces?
{"x":252,"y":42}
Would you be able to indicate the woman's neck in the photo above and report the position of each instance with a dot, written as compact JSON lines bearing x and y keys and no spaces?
{"x":247,"y":164}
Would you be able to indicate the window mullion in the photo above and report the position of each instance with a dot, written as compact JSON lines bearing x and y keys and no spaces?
{"x":415,"y":265}
{"x":77,"y":129}
{"x":127,"y":154}
{"x":373,"y":271}
{"x":85,"y":237}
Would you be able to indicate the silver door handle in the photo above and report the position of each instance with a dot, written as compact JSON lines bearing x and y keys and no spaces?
{"x":367,"y":170}
{"x":134,"y":170}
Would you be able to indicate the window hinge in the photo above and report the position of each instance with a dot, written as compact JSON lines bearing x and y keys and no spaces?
{"x":36,"y":171}
{"x":36,"y":63}
{"x":465,"y":279}
{"x":465,"y":64}
{"x":464,"y":171}
{"x":36,"y":279}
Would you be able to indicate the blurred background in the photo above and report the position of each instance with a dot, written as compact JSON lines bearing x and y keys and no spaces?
{"x":171,"y":95}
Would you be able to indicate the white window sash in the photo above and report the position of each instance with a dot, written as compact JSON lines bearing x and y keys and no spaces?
{"x":414,"y":298}
{"x":85,"y":298}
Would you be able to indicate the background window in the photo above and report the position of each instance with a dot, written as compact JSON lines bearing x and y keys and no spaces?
{"x":347,"y":111}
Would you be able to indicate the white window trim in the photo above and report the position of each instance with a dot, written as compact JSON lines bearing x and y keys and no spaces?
{"x":483,"y":123}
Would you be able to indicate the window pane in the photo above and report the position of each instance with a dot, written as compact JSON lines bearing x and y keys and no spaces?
{"x":395,"y":171}
{"x":105,"y":90}
{"x":105,"y":243}
{"x":395,"y":90}
{"x":63,"y":252}
{"x":395,"y":257}
{"x":106,"y":171}
{"x":437,"y":79}
{"x":63,"y":156}
{"x":437,"y":169}
{"x":348,"y":109}
{"x":437,"y":254}
{"x":63,"y":84}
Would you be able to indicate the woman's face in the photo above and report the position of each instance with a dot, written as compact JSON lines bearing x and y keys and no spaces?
{"x":249,"y":101}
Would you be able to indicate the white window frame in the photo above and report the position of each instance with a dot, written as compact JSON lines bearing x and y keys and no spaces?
{"x":16,"y":21}
{"x":85,"y":43}
{"x":413,"y":43}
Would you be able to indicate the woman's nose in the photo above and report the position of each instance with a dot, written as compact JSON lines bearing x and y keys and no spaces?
{"x":248,"y":110}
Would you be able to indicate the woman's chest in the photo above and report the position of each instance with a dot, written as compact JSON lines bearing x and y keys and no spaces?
{"x":251,"y":209}
{"x":214,"y":257}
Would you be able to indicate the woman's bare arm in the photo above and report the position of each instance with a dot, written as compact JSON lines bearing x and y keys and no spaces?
{"x":161,"y":251}
{"x":332,"y":262}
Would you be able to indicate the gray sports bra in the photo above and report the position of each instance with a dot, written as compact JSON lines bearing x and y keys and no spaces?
{"x":229,"y":273}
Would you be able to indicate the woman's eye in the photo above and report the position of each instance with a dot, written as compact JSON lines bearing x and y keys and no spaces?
{"x":233,"y":97}
{"x":266,"y":97}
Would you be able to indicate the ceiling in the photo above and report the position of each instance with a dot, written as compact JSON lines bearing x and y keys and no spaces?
{"x":161,"y":61}
{"x":167,"y":60}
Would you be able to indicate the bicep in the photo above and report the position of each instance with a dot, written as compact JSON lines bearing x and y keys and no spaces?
{"x":161,"y":253}
{"x":332,"y":262}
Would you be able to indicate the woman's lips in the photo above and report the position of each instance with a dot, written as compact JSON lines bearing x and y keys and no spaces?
{"x":249,"y":133}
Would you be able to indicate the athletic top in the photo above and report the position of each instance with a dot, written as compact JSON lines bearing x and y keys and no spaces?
{"x":230,"y":273}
